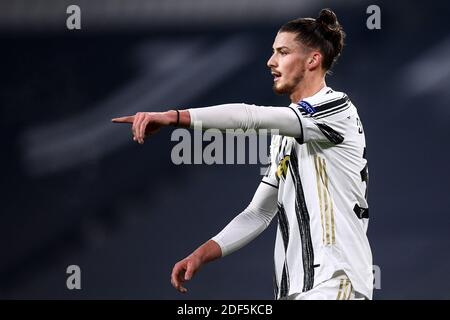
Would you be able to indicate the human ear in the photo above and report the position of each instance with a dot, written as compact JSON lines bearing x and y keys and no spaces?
{"x":314,"y":60}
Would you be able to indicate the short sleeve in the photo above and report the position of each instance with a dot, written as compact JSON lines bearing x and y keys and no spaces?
{"x":324,"y":120}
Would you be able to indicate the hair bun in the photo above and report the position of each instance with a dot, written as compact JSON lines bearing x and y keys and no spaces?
{"x":324,"y":34}
{"x":327,"y":18}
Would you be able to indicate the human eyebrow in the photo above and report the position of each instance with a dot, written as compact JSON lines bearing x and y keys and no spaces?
{"x":280,"y":48}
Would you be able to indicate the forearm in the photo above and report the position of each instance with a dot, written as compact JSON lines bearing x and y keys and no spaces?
{"x":249,"y":223}
{"x":242,"y":230}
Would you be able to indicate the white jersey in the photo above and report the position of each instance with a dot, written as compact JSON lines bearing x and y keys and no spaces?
{"x":322,"y":188}
{"x":316,"y":185}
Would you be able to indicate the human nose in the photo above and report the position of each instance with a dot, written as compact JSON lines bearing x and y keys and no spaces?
{"x":271,"y":63}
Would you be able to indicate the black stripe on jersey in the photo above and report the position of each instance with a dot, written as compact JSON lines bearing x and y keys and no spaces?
{"x":327,"y":104}
{"x":269,"y":184}
{"x":327,"y":101}
{"x":283,"y":224}
{"x":284,"y":285}
{"x":281,"y":143}
{"x":320,"y":107}
{"x":300,"y":139}
{"x":331,"y":134}
{"x":275,"y":283}
{"x":325,"y":113}
{"x":283,"y":152}
{"x":332,"y":112}
{"x":319,"y":114}
{"x":302,"y":214}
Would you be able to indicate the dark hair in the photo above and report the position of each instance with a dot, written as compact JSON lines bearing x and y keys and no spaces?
{"x":324,"y":34}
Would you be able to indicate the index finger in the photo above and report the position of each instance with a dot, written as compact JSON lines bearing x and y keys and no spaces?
{"x":177,"y":279}
{"x":127,"y":119}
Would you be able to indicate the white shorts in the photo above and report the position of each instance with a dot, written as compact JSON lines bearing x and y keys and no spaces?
{"x":338,"y":287}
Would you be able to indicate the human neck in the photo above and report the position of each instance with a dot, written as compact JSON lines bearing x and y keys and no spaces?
{"x":307,"y":88}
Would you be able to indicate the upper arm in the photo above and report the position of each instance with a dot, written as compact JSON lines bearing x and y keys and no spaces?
{"x":266,"y":196}
{"x":324,"y":121}
{"x":264,"y":201}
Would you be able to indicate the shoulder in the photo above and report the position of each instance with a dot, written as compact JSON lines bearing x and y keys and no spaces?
{"x":321,"y":100}
{"x":325,"y":105}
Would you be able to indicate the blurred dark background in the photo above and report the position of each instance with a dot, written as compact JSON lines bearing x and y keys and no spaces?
{"x":75,"y":189}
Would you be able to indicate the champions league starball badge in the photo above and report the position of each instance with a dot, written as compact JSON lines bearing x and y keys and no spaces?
{"x":307,"y":107}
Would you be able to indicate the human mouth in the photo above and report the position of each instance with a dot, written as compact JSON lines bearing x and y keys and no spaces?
{"x":276,"y":76}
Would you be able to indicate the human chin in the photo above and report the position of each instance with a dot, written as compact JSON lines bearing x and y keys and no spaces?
{"x":281,"y":89}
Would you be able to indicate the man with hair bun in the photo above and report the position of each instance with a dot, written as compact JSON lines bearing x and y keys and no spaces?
{"x":316,"y":185}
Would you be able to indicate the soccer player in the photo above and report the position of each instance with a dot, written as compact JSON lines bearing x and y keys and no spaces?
{"x":316,"y":184}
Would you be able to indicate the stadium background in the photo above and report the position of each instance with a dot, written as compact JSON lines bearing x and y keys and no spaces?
{"x":75,"y":189}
